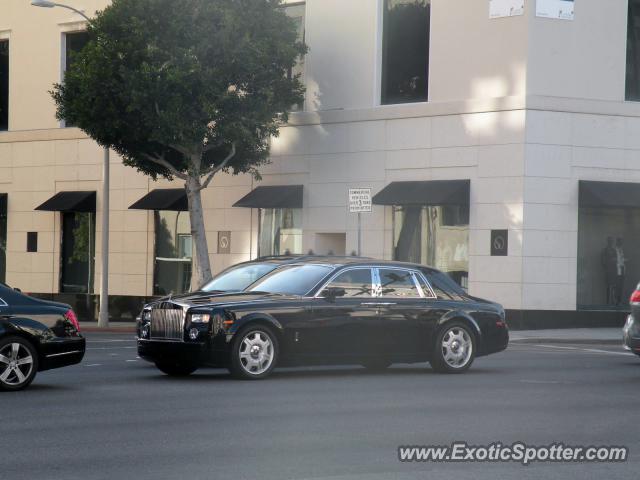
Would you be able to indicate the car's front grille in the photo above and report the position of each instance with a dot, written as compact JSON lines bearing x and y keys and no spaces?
{"x":167,"y":322}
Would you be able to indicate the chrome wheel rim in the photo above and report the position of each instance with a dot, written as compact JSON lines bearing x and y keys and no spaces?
{"x":256,"y":352}
{"x":457,"y":347}
{"x":16,"y":364}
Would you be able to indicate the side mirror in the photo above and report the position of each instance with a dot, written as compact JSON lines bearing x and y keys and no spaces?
{"x":331,"y":293}
{"x":18,"y":290}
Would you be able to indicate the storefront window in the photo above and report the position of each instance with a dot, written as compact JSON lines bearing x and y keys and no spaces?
{"x":280,"y":231}
{"x":437,"y":236}
{"x":608,"y":262}
{"x":173,"y":253}
{"x":78,"y":252}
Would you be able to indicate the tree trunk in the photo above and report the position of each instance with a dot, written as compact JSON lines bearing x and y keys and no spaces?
{"x":201,"y":267}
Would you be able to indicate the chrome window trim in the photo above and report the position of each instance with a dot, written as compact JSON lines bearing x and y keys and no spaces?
{"x":414,"y":275}
{"x":347,"y":269}
{"x":3,"y":303}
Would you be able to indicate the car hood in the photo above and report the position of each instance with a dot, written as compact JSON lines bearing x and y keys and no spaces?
{"x":212,"y":299}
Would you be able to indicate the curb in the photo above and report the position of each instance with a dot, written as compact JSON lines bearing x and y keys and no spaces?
{"x":581,"y":341}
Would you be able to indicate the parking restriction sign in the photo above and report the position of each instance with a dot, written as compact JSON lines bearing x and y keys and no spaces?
{"x":359,"y":200}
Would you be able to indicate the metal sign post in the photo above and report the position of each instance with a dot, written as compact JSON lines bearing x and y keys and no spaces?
{"x":359,"y":201}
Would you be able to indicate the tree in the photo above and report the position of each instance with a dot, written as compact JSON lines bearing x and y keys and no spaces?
{"x":185,"y":89}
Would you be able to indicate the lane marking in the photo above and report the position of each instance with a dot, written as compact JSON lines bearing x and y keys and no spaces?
{"x":554,"y":382}
{"x":133,"y":339}
{"x":109,"y":348}
{"x":94,"y":365}
{"x":590,"y":350}
{"x":131,"y":360}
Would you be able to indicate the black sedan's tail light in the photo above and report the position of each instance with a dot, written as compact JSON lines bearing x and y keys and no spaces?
{"x":635,"y":297}
{"x":73,"y":319}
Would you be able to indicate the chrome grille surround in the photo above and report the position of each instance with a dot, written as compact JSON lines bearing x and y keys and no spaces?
{"x":167,"y":322}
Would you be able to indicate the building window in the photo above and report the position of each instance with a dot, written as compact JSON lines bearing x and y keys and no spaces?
{"x":632,"y":90}
{"x":4,"y":84}
{"x":74,"y":42}
{"x":173,"y":253}
{"x":3,"y":237}
{"x":608,"y":262}
{"x":280,"y":231}
{"x":405,"y":51}
{"x":78,"y":252}
{"x":297,"y":13}
{"x":437,"y":236}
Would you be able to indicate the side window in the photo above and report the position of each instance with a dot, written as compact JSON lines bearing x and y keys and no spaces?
{"x":397,"y":284}
{"x":356,"y":283}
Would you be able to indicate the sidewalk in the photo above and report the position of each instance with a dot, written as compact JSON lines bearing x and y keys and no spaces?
{"x":591,"y":336}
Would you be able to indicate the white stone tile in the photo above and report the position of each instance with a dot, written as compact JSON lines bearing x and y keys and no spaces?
{"x":550,"y":190}
{"x":495,"y":269}
{"x":496,"y":216}
{"x":551,"y":217}
{"x":548,"y":160}
{"x":408,"y":159}
{"x":497,"y":190}
{"x":454,"y":157}
{"x":509,"y":295}
{"x":598,"y":131}
{"x":551,"y":128}
{"x":598,"y":157}
{"x":501,"y":160}
{"x":549,"y":243}
{"x":545,"y":270}
{"x":408,"y":133}
{"x":365,"y":136}
{"x":549,"y":296}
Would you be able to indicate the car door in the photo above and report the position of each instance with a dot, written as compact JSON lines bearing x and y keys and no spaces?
{"x":337,"y":329}
{"x":5,"y":309}
{"x":404,"y":312}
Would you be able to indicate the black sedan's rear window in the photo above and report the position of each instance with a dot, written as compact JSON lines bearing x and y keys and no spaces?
{"x":445,"y":287}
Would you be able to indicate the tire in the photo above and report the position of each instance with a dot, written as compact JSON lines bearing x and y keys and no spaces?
{"x":450,"y":357}
{"x":18,"y":363}
{"x":176,"y":369}
{"x":254,"y":353}
{"x":376,"y":364}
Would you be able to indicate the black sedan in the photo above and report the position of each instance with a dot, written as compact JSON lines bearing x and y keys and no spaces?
{"x":631,"y":329}
{"x":35,"y":335}
{"x":317,"y":312}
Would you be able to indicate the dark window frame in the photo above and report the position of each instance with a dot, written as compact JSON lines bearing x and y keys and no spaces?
{"x":387,"y":95}
{"x":5,"y":64}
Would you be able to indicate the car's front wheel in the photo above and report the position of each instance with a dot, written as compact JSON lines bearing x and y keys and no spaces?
{"x":455,"y":348}
{"x":254,"y":353}
{"x":176,"y":369}
{"x":18,"y":363}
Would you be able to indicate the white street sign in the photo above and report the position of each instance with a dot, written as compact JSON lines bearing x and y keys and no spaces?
{"x":359,"y":200}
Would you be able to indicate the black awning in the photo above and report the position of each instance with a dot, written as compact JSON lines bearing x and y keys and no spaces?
{"x":174,"y":199}
{"x":70,"y":202}
{"x":433,"y":192}
{"x":273,"y":196}
{"x":609,"y":194}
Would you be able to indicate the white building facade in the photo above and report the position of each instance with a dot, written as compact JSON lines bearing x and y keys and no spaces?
{"x":505,"y":151}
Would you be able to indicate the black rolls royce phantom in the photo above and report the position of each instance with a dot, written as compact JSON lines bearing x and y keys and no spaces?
{"x":322,"y":312}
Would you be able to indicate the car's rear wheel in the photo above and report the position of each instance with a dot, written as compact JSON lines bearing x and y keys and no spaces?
{"x":455,"y":348}
{"x":176,"y":369}
{"x":254,"y":353}
{"x":18,"y":363}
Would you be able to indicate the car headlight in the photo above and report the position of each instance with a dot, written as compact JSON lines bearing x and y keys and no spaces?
{"x":200,"y":318}
{"x":146,"y":316}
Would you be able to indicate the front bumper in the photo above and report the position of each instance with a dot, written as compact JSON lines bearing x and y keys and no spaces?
{"x":192,"y":353}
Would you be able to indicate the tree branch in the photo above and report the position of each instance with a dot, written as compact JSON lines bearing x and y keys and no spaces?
{"x":166,"y":165}
{"x":211,"y":173}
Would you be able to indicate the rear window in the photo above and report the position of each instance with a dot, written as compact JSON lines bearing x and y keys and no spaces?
{"x":444,"y":286}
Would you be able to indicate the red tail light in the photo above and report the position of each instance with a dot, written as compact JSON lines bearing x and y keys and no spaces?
{"x":71,"y":316}
{"x":635,"y":297}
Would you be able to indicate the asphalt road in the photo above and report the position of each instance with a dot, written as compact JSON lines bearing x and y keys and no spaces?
{"x":116,"y":417}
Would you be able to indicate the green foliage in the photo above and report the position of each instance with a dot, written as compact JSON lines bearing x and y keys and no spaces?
{"x":184,"y":81}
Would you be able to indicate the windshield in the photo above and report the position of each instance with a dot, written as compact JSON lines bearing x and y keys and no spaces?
{"x":293,"y":280}
{"x":239,"y":278}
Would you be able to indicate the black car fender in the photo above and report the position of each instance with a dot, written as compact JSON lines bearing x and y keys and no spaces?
{"x":463,"y":317}
{"x":256,"y":318}
{"x":27,"y":328}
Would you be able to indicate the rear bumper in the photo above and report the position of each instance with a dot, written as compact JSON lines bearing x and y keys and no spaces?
{"x":631,"y":335}
{"x":496,"y":341}
{"x":61,"y":353}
